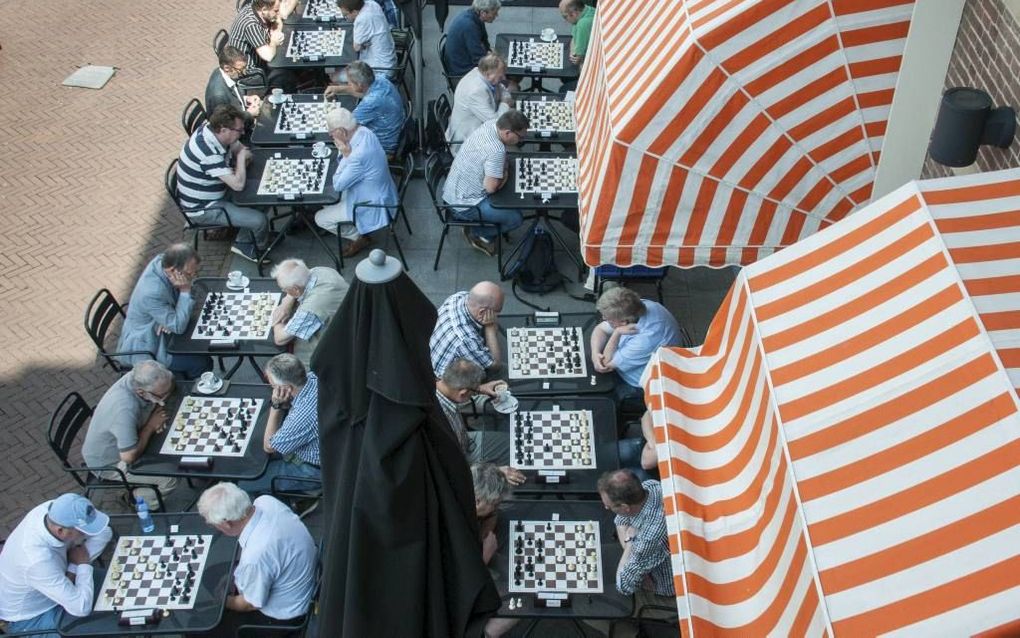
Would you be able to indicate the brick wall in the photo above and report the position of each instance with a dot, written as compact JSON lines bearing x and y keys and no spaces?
{"x":987,"y":56}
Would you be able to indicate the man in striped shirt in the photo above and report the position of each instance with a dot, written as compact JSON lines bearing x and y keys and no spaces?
{"x":292,"y":431}
{"x":641,"y":528}
{"x":204,"y":172}
{"x":479,"y":170}
{"x":257,"y":30}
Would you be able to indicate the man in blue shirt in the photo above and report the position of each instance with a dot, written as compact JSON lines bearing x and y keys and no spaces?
{"x":631,"y":331}
{"x":380,"y":108}
{"x":466,"y":39}
{"x":292,"y":431}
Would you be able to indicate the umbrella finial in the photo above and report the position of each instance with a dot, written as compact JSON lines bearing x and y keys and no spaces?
{"x":378,"y":268}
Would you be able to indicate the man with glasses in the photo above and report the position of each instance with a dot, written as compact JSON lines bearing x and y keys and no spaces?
{"x":479,"y":170}
{"x":222,"y":87}
{"x":160,"y":306}
{"x":257,"y":31}
{"x":125,"y":419}
{"x":212,"y":160}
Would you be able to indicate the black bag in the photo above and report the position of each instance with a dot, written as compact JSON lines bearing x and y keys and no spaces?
{"x":534,"y":270}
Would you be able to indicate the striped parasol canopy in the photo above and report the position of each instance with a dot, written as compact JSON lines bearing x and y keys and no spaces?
{"x":714,"y":132}
{"x":842,"y":455}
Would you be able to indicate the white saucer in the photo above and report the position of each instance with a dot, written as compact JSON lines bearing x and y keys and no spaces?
{"x":244,"y":284}
{"x":506,"y":407}
{"x":204,"y":389}
{"x":326,"y":153}
{"x":277,"y":100}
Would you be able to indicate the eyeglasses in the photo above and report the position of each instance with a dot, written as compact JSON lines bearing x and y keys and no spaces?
{"x":237,"y":130}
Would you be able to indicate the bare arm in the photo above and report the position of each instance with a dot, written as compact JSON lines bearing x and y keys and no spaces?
{"x":281,"y":316}
{"x":238,"y":603}
{"x":152,"y":426}
{"x":286,"y":8}
{"x":493,"y":184}
{"x":236,"y":179}
{"x":649,"y":458}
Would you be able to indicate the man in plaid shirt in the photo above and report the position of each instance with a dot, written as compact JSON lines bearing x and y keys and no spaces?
{"x":641,"y":528}
{"x":468,"y":328}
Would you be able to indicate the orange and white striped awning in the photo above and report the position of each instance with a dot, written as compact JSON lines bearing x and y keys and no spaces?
{"x":842,"y":455}
{"x":714,"y":132}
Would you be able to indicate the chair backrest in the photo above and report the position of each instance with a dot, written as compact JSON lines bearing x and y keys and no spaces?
{"x":100,"y":314}
{"x":441,"y":50}
{"x":219,"y":41}
{"x":435,"y":171}
{"x":67,"y":421}
{"x":408,"y":135}
{"x":407,"y":171}
{"x":241,"y":3}
{"x":443,"y":110}
{"x":193,"y":116}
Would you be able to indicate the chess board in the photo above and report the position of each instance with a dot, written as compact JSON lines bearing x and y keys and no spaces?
{"x":555,"y":556}
{"x":154,"y":572}
{"x":546,"y":353}
{"x":528,"y":54}
{"x":548,"y":440}
{"x":548,"y":115}
{"x":312,"y":45}
{"x":212,"y":426}
{"x":303,"y":117}
{"x":321,"y":10}
{"x":293,"y":176}
{"x":546,"y":175}
{"x":236,"y":315}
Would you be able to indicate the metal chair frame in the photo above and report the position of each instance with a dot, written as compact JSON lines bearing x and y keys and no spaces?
{"x":395,"y":212}
{"x":435,"y":173}
{"x":193,"y":116}
{"x":99,"y":316}
{"x":451,"y":79}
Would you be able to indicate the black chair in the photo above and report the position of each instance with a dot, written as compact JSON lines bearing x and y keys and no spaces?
{"x":193,"y":116}
{"x":66,"y":424}
{"x":650,"y":627}
{"x":404,"y":41}
{"x":170,"y":183}
{"x":435,"y":174}
{"x":241,"y":3}
{"x":442,"y":110}
{"x":300,"y":625}
{"x":451,"y":79}
{"x":394,"y":212}
{"x":100,"y":314}
{"x":219,"y":41}
{"x":408,"y":142}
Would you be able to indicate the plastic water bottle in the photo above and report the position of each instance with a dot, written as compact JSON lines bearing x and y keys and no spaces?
{"x":143,"y":515}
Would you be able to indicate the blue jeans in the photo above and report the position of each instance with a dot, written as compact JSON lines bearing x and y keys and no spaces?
{"x":281,"y":467}
{"x":46,"y":620}
{"x":252,"y":223}
{"x":629,"y":400}
{"x":190,"y":366}
{"x":507,"y":218}
{"x":630,"y":456}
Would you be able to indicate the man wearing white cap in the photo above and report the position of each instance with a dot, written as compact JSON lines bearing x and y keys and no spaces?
{"x":46,"y":565}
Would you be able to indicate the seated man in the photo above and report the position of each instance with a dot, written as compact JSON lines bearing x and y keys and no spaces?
{"x":632,"y":330}
{"x":371,"y":35}
{"x":275,"y":574}
{"x":461,"y":381}
{"x":257,"y":31}
{"x":160,"y":306}
{"x":46,"y":564}
{"x":222,"y":87}
{"x":491,"y":488}
{"x":312,"y":298}
{"x":381,"y":109}
{"x":466,"y":38}
{"x":362,"y":177}
{"x":129,"y":414}
{"x":292,"y":429}
{"x":480,"y":97}
{"x":211,"y":160}
{"x":641,"y":528}
{"x":580,"y":16}
{"x":479,"y":170}
{"x":468,"y":327}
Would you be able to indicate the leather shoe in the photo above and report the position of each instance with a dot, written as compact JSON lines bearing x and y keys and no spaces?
{"x":356,"y":246}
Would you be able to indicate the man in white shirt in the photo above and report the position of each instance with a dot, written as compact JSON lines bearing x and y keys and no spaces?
{"x":373,"y":41}
{"x":275,"y":576}
{"x":45,"y":566}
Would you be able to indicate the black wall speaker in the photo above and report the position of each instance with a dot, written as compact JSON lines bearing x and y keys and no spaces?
{"x":966,"y":121}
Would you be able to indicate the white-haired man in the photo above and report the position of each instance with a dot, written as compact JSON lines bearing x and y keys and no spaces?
{"x":129,"y":414}
{"x":292,"y":430}
{"x":46,"y":564}
{"x":466,"y":38}
{"x":275,"y":575}
{"x":481,"y":96}
{"x":363,"y":177}
{"x":468,"y":328}
{"x":312,"y":298}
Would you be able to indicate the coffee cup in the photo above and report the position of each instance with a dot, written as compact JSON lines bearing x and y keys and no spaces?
{"x":208,"y":379}
{"x":502,"y":391}
{"x":235,"y":277}
{"x":319,"y":149}
{"x":549,"y":34}
{"x":277,"y":95}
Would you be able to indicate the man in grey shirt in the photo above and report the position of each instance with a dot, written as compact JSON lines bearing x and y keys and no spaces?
{"x":125,"y":420}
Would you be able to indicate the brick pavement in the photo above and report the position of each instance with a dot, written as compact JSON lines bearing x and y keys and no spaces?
{"x":81,"y":197}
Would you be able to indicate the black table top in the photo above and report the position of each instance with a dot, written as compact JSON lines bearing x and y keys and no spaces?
{"x":569,"y":70}
{"x":249,"y":195}
{"x":184,"y":344}
{"x":548,"y":136}
{"x":281,"y":61}
{"x":265,"y":124}
{"x":603,"y":382}
{"x":579,"y":481}
{"x":316,"y":11}
{"x":250,"y":466}
{"x":508,"y":197}
{"x":212,"y":587}
{"x":608,"y":603}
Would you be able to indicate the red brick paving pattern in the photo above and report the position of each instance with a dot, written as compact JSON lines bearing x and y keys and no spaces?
{"x":81,"y":196}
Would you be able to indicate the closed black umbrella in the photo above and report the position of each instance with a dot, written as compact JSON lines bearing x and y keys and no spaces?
{"x":402,"y":552}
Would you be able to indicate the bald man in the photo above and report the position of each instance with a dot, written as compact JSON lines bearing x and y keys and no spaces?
{"x":468,"y":327}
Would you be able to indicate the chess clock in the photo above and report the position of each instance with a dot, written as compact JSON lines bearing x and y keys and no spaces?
{"x":547,"y":319}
